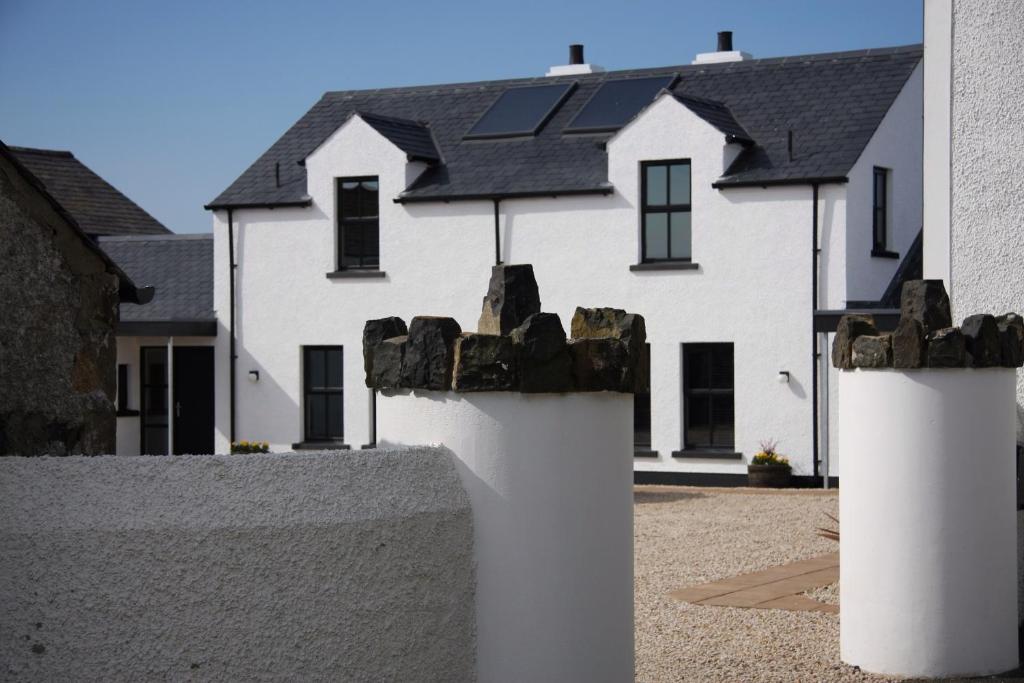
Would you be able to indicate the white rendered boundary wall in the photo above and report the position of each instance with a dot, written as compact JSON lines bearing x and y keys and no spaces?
{"x":306,"y":567}
{"x":928,"y":521}
{"x":549,"y":477}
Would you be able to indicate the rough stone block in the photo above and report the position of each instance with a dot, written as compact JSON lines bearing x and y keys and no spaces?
{"x":850,"y":327}
{"x":926,"y":302}
{"x":872,"y":351}
{"x":512,"y":297}
{"x":946,"y":348}
{"x":430,"y":353}
{"x":543,"y":355}
{"x":484,"y":362}
{"x":374,"y":332}
{"x":387,"y":363}
{"x":602,"y":364}
{"x":982,"y":342}
{"x":596,"y":323}
{"x":908,"y":345}
{"x":1011,"y":340}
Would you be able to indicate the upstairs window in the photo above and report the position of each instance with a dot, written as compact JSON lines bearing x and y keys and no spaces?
{"x":880,"y":212}
{"x":358,"y":223}
{"x":665,"y":216}
{"x":708,"y":396}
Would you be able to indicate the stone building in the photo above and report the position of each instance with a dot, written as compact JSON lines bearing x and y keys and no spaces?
{"x":60,"y":297}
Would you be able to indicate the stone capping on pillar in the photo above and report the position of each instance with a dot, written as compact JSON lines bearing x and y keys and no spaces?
{"x":926,"y":338}
{"x":516,"y":348}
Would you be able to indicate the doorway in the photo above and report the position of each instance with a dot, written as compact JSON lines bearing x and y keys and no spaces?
{"x":191,"y":389}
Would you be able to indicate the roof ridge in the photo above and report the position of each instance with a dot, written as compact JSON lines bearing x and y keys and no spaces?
{"x":601,"y":75}
{"x":392,"y":119}
{"x":173,"y":237}
{"x":42,"y":152}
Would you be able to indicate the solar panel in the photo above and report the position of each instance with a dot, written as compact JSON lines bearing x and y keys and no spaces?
{"x":616,"y":102}
{"x":520,"y":111}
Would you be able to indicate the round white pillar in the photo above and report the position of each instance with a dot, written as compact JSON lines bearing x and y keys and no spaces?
{"x":550,"y":479}
{"x":928,"y":524}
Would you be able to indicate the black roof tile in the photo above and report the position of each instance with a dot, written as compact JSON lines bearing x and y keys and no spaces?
{"x":97,"y":206}
{"x":179,"y":266}
{"x":832,"y":102}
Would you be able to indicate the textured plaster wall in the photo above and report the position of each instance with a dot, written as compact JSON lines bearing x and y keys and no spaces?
{"x":987,"y":221}
{"x":280,"y":567}
{"x":753,"y":287}
{"x":57,"y":345}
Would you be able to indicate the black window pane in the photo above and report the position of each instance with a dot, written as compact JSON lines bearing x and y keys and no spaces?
{"x":368,"y":200}
{"x":698,"y":374}
{"x":519,"y":110}
{"x":642,"y":401}
{"x":349,"y":199}
{"x":323,"y":393}
{"x":722,"y":420}
{"x":679,"y":182}
{"x":708,"y":400}
{"x":154,"y":440}
{"x":316,"y":406}
{"x":316,"y":368}
{"x":334,"y":369}
{"x":334,"y":416}
{"x":616,"y":102}
{"x":656,"y":236}
{"x":698,"y":424}
{"x":680,"y":235}
{"x":657,"y":185}
{"x":721,"y":367}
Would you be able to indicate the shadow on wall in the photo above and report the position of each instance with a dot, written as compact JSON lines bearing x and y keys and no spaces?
{"x":279,"y":413}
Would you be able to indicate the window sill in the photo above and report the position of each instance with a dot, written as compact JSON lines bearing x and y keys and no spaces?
{"x":127,"y":413}
{"x":644,"y":453}
{"x":320,"y":446}
{"x":665,"y":265}
{"x":707,"y":455}
{"x":367,"y":446}
{"x":884,"y":253}
{"x":355,"y":273}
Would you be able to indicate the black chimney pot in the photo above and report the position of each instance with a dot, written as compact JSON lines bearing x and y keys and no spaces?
{"x":725,"y":41}
{"x":575,"y":53}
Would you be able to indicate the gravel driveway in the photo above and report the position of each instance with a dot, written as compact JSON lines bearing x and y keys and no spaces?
{"x":686,"y":536}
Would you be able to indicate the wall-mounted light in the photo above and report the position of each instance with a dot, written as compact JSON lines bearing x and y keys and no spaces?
{"x":254,"y":375}
{"x":783,"y":377}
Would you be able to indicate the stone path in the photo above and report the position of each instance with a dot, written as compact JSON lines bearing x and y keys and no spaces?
{"x":775,"y":588}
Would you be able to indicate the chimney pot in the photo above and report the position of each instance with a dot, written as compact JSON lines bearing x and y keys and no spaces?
{"x":576,"y":54}
{"x":725,"y":41}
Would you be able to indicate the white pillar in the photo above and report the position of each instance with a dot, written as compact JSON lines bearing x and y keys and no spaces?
{"x":928,"y":521}
{"x":549,"y":477}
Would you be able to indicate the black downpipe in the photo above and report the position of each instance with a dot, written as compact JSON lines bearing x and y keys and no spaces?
{"x":231,"y":321}
{"x":814,"y":335}
{"x":497,"y":234}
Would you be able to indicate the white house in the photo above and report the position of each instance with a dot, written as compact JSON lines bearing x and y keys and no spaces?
{"x":727,"y":201}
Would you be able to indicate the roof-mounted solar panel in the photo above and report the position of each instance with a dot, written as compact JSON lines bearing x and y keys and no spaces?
{"x":616,"y":102}
{"x":520,"y":111}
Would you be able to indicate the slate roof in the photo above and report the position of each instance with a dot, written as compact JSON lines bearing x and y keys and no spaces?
{"x":412,"y":137}
{"x":832,"y":102}
{"x":718,"y":115}
{"x":97,"y":206}
{"x":181,"y":268}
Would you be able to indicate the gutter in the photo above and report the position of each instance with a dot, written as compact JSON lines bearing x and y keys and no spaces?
{"x":813,"y":181}
{"x":491,"y":196}
{"x":260,"y":205}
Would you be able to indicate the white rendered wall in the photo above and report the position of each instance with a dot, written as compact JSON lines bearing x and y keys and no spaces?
{"x":129,"y":437}
{"x":929,"y":524}
{"x":753,"y":287}
{"x":897,"y":146}
{"x":938,"y":36}
{"x":549,"y":478}
{"x":987,"y":186}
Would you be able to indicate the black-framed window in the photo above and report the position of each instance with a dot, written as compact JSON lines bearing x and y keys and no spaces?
{"x":153,"y":400}
{"x":323,"y":392}
{"x":880,"y":210}
{"x":708,"y":396}
{"x":642,"y":402}
{"x":358,"y":222}
{"x":665,"y":210}
{"x":122,"y":388}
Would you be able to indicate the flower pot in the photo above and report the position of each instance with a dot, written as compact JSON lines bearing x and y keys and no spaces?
{"x":768,"y":476}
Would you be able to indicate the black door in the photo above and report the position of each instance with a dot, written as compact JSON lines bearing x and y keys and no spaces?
{"x":193,"y":399}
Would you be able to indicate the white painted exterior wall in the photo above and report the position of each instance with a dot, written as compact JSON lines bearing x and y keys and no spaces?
{"x":129,"y":436}
{"x":753,"y":287}
{"x":975,"y":114}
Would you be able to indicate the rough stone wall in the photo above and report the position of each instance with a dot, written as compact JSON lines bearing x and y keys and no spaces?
{"x":987,"y":222}
{"x":57,"y":346}
{"x":305,"y":567}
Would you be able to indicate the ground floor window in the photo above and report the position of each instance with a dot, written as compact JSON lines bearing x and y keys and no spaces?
{"x":323,"y":389}
{"x":153,"y":404}
{"x":642,"y":403}
{"x":708,"y":396}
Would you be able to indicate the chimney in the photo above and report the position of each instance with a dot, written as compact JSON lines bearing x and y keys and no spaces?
{"x":576,"y":64}
{"x":725,"y":53}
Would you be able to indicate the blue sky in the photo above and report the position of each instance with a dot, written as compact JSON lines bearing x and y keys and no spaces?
{"x":170,"y":101}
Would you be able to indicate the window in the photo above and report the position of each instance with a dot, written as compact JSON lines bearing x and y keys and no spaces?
{"x":358,"y":223}
{"x":708,"y":396}
{"x":323,"y":388}
{"x":880,"y":207}
{"x":642,"y":403}
{"x":122,"y":388}
{"x":154,"y":400}
{"x":665,"y":217}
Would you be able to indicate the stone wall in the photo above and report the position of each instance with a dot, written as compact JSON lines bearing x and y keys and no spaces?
{"x":57,"y":344}
{"x":309,"y":566}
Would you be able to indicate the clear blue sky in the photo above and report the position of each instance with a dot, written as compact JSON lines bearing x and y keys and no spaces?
{"x":171,"y":101}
